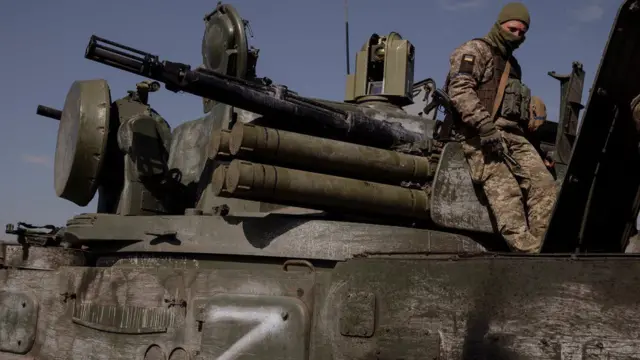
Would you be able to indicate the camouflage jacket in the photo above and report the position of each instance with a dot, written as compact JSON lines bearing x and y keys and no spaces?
{"x":471,"y":65}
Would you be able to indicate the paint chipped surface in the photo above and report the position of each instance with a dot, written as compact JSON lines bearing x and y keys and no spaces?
{"x":502,"y":309}
{"x":455,"y":202}
{"x":386,"y":307}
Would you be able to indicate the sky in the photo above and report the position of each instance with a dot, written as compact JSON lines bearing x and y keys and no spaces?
{"x":302,"y":45}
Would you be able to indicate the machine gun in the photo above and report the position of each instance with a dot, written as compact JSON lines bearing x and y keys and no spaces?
{"x":274,"y":101}
{"x":440,"y":98}
{"x":29,"y":235}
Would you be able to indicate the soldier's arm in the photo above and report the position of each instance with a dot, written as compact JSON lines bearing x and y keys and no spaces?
{"x":468,"y":64}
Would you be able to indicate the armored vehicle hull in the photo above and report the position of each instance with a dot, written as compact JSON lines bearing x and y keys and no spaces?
{"x":371,"y":306}
{"x":171,"y":267}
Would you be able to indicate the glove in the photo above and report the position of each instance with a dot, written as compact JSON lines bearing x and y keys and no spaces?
{"x":490,"y":138}
{"x":548,"y":160}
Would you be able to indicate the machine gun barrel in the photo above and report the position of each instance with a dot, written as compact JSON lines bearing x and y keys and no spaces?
{"x":272,"y":101}
{"x":49,"y":112}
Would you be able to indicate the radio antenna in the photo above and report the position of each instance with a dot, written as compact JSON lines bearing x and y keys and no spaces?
{"x":346,"y":31}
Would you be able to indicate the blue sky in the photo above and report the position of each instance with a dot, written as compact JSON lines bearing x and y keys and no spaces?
{"x":301,"y":45}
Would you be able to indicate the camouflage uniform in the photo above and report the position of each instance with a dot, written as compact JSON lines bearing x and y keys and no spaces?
{"x":476,"y":68}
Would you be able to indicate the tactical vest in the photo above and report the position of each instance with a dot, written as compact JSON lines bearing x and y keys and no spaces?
{"x":487,"y":91}
{"x":514,"y":104}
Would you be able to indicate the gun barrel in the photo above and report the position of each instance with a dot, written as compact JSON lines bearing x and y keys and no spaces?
{"x":275,"y":102}
{"x":280,"y":185}
{"x":311,"y":153}
{"x":49,"y":112}
{"x":113,"y":54}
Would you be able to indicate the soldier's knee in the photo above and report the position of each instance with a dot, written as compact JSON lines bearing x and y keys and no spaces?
{"x":548,"y":186}
{"x":544,"y":181}
{"x":502,"y":190}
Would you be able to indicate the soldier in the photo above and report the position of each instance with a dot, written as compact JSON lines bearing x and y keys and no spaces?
{"x":492,"y":111}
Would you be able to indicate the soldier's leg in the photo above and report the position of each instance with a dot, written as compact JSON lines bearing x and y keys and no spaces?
{"x":505,"y":199}
{"x":537,"y":182}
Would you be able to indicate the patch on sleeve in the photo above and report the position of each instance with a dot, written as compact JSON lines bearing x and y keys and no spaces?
{"x":467,"y":63}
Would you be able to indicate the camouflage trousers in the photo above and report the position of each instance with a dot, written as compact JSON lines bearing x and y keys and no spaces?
{"x":521,"y":199}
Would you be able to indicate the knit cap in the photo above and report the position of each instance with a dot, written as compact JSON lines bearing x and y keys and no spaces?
{"x":514,"y":11}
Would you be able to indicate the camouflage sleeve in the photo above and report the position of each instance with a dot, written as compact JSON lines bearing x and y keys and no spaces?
{"x":468,"y":66}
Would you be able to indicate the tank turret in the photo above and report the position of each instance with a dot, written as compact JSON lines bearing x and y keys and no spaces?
{"x":364,"y":157}
{"x":283,"y":227}
{"x":118,"y":148}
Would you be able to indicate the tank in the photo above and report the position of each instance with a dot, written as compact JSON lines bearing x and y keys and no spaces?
{"x":279,"y":226}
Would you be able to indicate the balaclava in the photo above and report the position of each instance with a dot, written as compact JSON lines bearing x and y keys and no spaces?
{"x":505,"y":41}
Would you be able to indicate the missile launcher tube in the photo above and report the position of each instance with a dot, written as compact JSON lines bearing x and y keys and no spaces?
{"x":305,"y":152}
{"x":274,"y":184}
{"x":220,"y":144}
{"x":218,"y":180}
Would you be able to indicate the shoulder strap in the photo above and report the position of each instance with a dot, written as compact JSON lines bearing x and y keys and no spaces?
{"x":500,"y":93}
{"x":503,"y":80}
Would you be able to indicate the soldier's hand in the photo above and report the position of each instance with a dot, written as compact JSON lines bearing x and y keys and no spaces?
{"x":548,"y":160}
{"x":490,"y":138}
{"x":549,"y":163}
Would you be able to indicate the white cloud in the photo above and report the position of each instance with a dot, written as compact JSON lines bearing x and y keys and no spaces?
{"x":455,"y":5}
{"x":588,"y":13}
{"x":36,"y":159}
